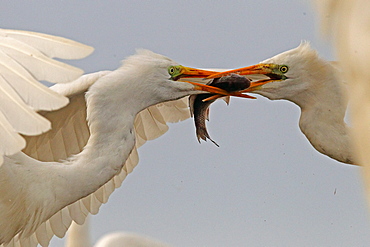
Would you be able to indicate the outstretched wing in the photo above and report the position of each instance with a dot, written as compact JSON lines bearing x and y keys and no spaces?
{"x":25,"y":59}
{"x":68,"y":136}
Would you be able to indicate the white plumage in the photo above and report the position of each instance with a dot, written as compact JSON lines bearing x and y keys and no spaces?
{"x":68,"y":172}
{"x":25,"y":58}
{"x":317,"y":87}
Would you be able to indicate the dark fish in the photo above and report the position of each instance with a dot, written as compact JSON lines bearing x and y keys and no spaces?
{"x":200,"y":109}
{"x":231,"y":83}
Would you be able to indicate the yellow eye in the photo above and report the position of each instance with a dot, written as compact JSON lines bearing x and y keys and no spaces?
{"x":171,"y":70}
{"x":283,"y":69}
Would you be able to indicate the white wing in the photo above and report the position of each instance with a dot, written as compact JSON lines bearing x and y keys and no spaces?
{"x":68,"y":136}
{"x":26,"y":58}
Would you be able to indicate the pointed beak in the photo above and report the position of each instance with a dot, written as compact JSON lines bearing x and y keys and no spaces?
{"x":192,"y":73}
{"x":271,"y":71}
{"x":215,"y":90}
{"x":187,"y":72}
{"x":261,"y":68}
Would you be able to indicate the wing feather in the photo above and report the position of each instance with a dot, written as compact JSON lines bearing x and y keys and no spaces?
{"x":99,"y":194}
{"x":56,"y":223}
{"x":31,"y":241}
{"x":51,"y":46}
{"x":26,"y":85}
{"x":38,"y":64}
{"x":132,"y":161}
{"x":108,"y":190}
{"x":105,"y":191}
{"x":13,"y":143}
{"x":154,"y":124}
{"x":70,"y":138}
{"x":42,"y":235}
{"x":86,"y":202}
{"x":77,"y":212}
{"x":95,"y":204}
{"x":68,"y":135}
{"x":20,"y":116}
{"x":119,"y":178}
{"x":175,"y":111}
{"x":26,"y":58}
{"x":139,"y":131}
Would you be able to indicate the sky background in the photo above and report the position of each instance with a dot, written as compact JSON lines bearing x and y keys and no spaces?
{"x":265,"y":185}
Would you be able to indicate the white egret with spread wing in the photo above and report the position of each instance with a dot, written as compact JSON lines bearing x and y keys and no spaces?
{"x":69,"y":171}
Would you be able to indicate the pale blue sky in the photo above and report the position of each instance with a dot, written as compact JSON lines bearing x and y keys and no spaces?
{"x":265,"y":185}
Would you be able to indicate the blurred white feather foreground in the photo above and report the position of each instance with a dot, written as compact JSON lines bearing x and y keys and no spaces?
{"x":348,"y":22}
{"x":78,"y":235}
{"x":68,"y":172}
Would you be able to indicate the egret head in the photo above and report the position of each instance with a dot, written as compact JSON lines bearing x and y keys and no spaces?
{"x":287,"y":75}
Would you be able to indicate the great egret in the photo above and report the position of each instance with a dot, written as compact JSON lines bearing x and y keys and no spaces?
{"x":67,"y":172}
{"x":78,"y":235}
{"x":315,"y":85}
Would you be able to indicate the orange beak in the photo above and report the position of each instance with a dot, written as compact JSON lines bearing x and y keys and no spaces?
{"x":192,"y":73}
{"x":187,"y":72}
{"x":218,"y":91}
{"x":250,"y":70}
{"x":273,"y":71}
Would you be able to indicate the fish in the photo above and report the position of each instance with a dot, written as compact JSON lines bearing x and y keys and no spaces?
{"x":199,"y":108}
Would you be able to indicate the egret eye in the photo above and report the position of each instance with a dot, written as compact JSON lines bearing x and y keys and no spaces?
{"x":283,"y":69}
{"x":171,"y":70}
{"x":175,"y":72}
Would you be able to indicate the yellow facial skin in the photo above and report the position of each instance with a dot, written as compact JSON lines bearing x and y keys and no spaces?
{"x":179,"y":71}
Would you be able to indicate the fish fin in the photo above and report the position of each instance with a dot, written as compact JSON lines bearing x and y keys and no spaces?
{"x":191,"y":104}
{"x":227,"y":99}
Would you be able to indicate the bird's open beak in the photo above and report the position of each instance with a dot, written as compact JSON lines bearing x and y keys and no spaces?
{"x":187,"y":72}
{"x":192,"y":73}
{"x":270,"y":71}
{"x":218,"y":91}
